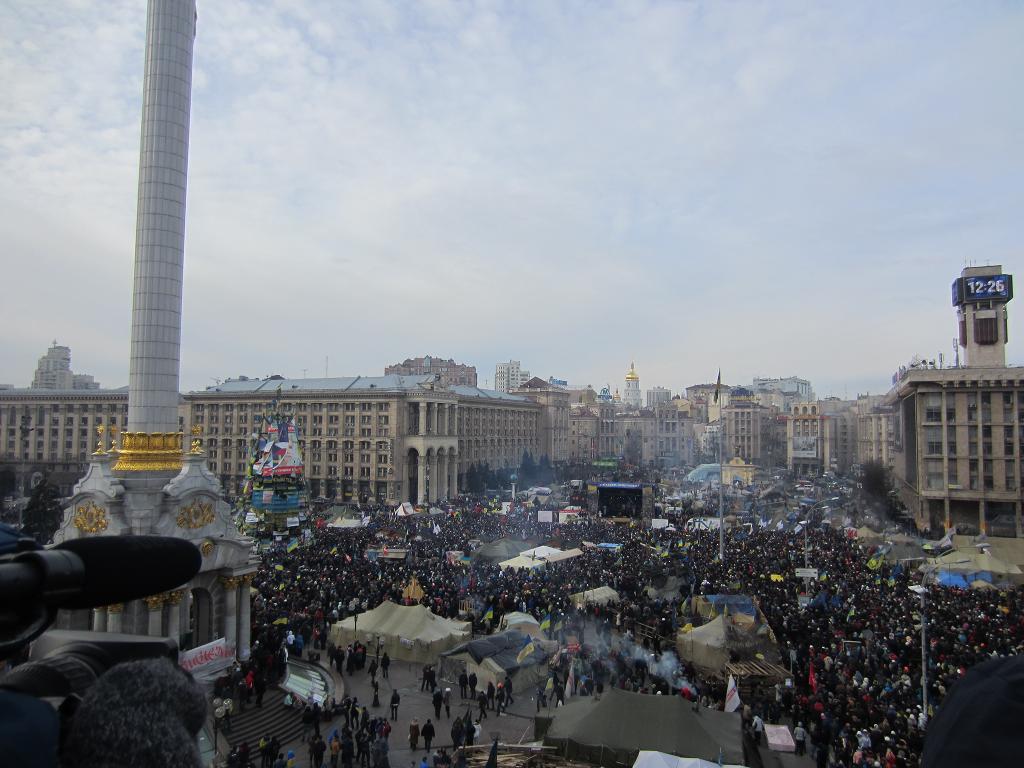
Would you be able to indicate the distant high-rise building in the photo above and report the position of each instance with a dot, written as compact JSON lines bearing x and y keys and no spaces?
{"x":508,"y":376}
{"x":796,"y":388}
{"x":658,"y":395}
{"x":452,"y":374}
{"x":54,"y":371}
{"x":631,"y":394}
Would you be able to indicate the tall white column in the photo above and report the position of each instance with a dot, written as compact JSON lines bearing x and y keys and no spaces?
{"x":160,"y":225}
{"x":421,"y":478}
{"x":244,"y":628}
{"x":155,"y":604}
{"x":174,"y":613}
{"x":423,"y":419}
{"x":230,"y":584}
{"x":114,"y":617}
{"x":442,"y":476}
{"x":435,"y":477}
{"x":99,"y":619}
{"x":453,"y":476}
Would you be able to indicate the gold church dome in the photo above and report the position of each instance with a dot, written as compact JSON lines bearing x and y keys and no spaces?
{"x":632,"y":375}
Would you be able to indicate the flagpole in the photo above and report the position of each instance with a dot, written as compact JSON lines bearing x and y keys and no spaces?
{"x":721,"y":483}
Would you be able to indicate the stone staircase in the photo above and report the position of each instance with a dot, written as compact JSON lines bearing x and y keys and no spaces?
{"x":273,"y":718}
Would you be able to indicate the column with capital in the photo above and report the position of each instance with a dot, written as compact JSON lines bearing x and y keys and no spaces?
{"x":155,"y":604}
{"x":421,"y":477}
{"x":244,"y":621}
{"x":99,"y":619}
{"x":453,"y":476}
{"x":114,"y":612}
{"x":442,"y":476}
{"x":230,"y":584}
{"x":174,"y":614}
{"x":433,"y":477}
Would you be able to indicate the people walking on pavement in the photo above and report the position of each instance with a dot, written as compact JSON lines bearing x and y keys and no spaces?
{"x":395,"y":701}
{"x":427,"y":732}
{"x":414,"y":734}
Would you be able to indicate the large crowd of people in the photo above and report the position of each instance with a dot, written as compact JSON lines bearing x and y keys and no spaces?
{"x":853,"y":697}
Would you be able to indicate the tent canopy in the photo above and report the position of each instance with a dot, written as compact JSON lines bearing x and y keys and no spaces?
{"x":599,"y":596}
{"x":493,"y":657}
{"x":499,"y":550}
{"x":648,"y":759}
{"x":406,"y":632}
{"x":614,"y":729}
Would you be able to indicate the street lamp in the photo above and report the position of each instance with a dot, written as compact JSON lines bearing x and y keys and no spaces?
{"x":805,"y":523}
{"x":221,"y":710}
{"x":921,"y":592}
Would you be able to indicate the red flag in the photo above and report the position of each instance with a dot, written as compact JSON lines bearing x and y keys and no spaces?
{"x":812,"y":680}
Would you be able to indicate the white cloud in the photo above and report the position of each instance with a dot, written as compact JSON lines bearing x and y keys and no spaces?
{"x":779,"y":188}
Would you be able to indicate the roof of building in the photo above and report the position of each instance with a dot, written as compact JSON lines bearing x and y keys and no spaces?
{"x":632,"y":375}
{"x":389,"y":383}
{"x":43,"y":392}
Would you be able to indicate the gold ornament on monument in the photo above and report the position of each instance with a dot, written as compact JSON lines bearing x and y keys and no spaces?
{"x":197,"y":443}
{"x":198,"y":514}
{"x":149,"y":452}
{"x":154,"y":602}
{"x":113,"y":430}
{"x":100,"y":451}
{"x":91,"y":518}
{"x":206,"y":548}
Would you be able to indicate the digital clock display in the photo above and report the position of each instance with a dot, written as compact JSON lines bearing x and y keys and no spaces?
{"x":982,"y":288}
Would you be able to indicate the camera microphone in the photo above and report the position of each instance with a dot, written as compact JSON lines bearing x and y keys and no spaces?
{"x":86,"y":573}
{"x":99,"y":571}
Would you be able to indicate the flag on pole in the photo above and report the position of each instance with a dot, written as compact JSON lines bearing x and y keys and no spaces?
{"x":293,"y":545}
{"x":718,"y":384}
{"x":732,"y":696}
{"x":523,"y":654}
{"x":545,"y":623}
{"x":489,"y":615}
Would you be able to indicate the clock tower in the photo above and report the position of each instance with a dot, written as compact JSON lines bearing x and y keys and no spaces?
{"x":980,"y":296}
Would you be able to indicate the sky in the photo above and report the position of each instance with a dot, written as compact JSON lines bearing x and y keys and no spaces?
{"x":770,"y":188}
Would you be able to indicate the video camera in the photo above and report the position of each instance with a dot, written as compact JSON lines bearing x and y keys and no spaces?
{"x":63,"y":666}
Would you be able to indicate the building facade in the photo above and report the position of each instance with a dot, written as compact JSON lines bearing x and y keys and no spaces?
{"x":746,"y":428}
{"x":631,"y":392}
{"x":958,"y":432}
{"x":554,"y":420}
{"x":658,"y":396}
{"x":387,"y":439}
{"x":52,"y":433}
{"x":53,"y":371}
{"x":450,"y":373}
{"x":509,"y":376}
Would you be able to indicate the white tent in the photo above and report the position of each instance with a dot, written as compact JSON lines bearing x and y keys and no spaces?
{"x":407,"y":632}
{"x":649,"y":759}
{"x":566,"y":555}
{"x":540,"y":552}
{"x":705,"y":646}
{"x":599,"y":596}
{"x":524,"y":622}
{"x":522,"y":562}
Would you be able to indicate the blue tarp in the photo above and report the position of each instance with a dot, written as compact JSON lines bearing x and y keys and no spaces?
{"x":808,"y":500}
{"x":735,"y":603}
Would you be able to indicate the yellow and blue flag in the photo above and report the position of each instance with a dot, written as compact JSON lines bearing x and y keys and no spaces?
{"x":293,"y":545}
{"x":527,"y":650}
{"x":545,"y":623}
